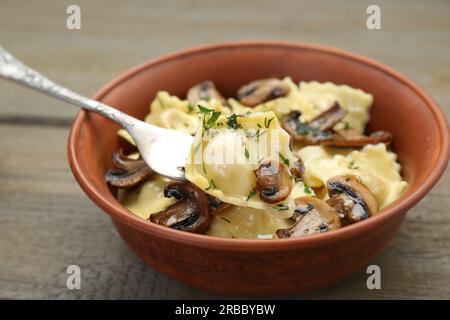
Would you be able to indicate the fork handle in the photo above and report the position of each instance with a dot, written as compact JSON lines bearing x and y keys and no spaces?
{"x":13,"y":69}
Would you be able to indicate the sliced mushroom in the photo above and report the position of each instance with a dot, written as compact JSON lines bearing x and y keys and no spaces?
{"x":205,"y":90}
{"x":327,"y":119}
{"x":351,"y":199}
{"x":129,"y":173}
{"x":317,"y":130}
{"x":190,"y":213}
{"x":311,"y":216}
{"x":297,"y":169}
{"x":263,"y":90}
{"x":352,"y":138}
{"x":272,"y":182}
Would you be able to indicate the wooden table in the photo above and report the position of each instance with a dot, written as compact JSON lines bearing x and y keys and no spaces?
{"x":46,"y":221}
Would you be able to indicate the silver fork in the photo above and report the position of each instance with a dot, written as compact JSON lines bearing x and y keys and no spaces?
{"x":164,"y":151}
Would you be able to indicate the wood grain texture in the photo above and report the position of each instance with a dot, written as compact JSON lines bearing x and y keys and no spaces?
{"x":46,"y":221}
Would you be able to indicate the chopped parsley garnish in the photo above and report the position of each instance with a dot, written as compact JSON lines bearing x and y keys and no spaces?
{"x":247,"y":155}
{"x":251,"y":195}
{"x":232,"y":122}
{"x":225,"y":219}
{"x":204,"y":109}
{"x":284,"y":159}
{"x":307,"y":189}
{"x":267,"y":122}
{"x":212,"y":185}
{"x":209,"y":117}
{"x":351,"y":165}
{"x":281,"y":207}
{"x":190,"y":107}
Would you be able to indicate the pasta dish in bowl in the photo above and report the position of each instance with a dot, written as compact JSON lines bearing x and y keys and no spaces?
{"x":322,"y":174}
{"x":304,"y":163}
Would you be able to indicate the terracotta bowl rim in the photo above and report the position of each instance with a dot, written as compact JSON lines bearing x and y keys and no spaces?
{"x":121,"y":214}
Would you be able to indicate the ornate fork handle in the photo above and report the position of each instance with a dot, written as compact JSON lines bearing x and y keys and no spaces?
{"x":15,"y":70}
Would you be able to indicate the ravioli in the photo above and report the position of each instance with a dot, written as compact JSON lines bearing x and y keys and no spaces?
{"x":321,"y":97}
{"x":246,"y":223}
{"x":376,"y":167}
{"x":147,"y":198}
{"x":224,"y":156}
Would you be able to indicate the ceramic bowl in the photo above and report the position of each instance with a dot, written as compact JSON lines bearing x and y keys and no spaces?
{"x":264,"y":267}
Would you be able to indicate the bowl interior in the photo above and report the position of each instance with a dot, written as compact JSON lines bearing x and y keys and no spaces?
{"x":398,"y":106}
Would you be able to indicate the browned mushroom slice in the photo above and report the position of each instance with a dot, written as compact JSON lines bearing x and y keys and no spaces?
{"x":297,"y":169}
{"x":129,"y":173}
{"x":327,"y":119}
{"x":351,"y":199}
{"x":263,"y":90}
{"x":191,"y":211}
{"x":272,"y":182}
{"x":351,"y":138}
{"x":311,"y":216}
{"x":205,"y":90}
{"x":317,"y":131}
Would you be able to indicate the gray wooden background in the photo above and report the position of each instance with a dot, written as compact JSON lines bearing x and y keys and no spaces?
{"x":47,"y":223}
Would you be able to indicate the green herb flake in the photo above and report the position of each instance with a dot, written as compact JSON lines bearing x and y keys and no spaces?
{"x":190,"y":107}
{"x":212,"y":120}
{"x":267,"y":122}
{"x":204,"y":109}
{"x":351,"y":165}
{"x":212,"y":185}
{"x":307,"y":189}
{"x":284,"y":159}
{"x":247,"y":155}
{"x":225,"y":219}
{"x":250,"y":195}
{"x":232,"y":122}
{"x":281,"y":207}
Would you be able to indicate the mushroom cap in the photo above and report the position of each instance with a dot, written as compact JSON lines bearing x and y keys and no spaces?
{"x":190,"y":213}
{"x":351,"y":199}
{"x":130,"y":172}
{"x":260,"y":91}
{"x":351,"y":138}
{"x":205,"y":90}
{"x":319,"y":130}
{"x":312,"y":215}
{"x":273,"y":182}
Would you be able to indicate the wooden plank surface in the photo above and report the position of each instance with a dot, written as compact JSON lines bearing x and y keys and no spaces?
{"x":47,"y":223}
